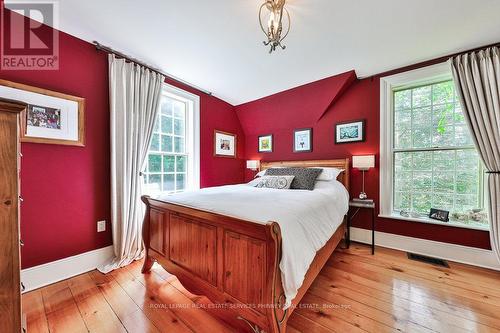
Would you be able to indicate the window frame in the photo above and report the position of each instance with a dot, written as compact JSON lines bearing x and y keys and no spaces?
{"x":388,"y":85}
{"x":191,"y":137}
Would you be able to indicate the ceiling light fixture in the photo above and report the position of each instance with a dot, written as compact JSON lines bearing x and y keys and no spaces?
{"x":276,"y":15}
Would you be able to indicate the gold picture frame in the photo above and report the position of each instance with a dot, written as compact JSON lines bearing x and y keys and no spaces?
{"x":225,"y":144}
{"x":72,"y":111}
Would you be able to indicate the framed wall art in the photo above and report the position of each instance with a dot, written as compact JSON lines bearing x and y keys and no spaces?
{"x":302,"y":140}
{"x":352,"y":131}
{"x":51,"y":117}
{"x":224,"y":144}
{"x":265,"y":143}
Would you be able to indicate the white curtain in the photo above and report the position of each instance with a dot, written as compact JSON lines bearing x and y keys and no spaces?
{"x":477,"y":80}
{"x":134,"y":101}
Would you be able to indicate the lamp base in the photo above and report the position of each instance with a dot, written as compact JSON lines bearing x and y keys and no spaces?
{"x":363,"y":196}
{"x":362,"y":200}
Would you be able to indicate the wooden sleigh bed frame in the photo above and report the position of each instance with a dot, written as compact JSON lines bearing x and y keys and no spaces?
{"x":233,"y":262}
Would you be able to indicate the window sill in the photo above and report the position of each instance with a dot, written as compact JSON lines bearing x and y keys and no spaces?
{"x":430,"y":221}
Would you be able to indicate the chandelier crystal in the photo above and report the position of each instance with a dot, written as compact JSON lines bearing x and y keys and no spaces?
{"x":277,"y":17}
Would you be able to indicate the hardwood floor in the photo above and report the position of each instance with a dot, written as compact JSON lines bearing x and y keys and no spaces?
{"x":355,"y":292}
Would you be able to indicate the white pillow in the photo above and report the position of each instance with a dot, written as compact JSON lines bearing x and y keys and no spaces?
{"x":329,"y":173}
{"x":277,"y":182}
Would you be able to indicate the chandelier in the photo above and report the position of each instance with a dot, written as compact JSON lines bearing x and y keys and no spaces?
{"x":276,"y":15}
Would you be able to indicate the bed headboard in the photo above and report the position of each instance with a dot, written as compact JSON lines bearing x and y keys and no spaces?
{"x":338,"y":163}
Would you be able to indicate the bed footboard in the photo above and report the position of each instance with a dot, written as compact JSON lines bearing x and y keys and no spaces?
{"x":235,"y":263}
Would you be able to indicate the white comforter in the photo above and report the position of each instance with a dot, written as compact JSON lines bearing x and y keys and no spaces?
{"x":307,"y":218}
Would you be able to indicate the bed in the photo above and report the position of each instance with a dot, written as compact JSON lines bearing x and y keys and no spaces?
{"x":255,"y":271}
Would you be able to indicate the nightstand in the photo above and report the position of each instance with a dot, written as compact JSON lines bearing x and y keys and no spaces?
{"x":358,"y":205}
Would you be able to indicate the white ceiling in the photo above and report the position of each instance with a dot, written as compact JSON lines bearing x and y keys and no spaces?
{"x":217,"y":44}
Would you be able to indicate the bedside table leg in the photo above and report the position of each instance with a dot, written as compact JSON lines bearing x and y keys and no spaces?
{"x":373,"y":231}
{"x":348,"y":232}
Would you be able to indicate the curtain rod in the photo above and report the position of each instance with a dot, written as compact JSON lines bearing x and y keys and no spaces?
{"x":101,"y":47}
{"x":480,"y":48}
{"x":430,"y":61}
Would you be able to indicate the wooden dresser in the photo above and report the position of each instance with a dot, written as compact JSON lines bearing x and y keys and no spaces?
{"x":10,"y":268}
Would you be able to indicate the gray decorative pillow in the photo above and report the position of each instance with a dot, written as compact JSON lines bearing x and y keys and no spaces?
{"x":278,"y":182}
{"x":304,"y":177}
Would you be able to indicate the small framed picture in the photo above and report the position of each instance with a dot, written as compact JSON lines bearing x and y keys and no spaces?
{"x":440,"y":215}
{"x":302,"y":140}
{"x":353,"y":131}
{"x":266,"y":143}
{"x":224,"y":144}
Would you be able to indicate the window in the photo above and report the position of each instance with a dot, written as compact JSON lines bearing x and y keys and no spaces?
{"x":429,"y":159}
{"x":173,"y":158}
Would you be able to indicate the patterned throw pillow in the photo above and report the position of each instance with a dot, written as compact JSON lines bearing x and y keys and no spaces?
{"x":277,"y":182}
{"x":304,"y":177}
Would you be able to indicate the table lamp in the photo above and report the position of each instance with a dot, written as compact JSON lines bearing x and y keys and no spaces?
{"x":253,"y":165}
{"x":363,"y":163}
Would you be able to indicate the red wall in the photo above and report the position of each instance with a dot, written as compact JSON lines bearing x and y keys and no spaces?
{"x":66,"y":189}
{"x":281,"y":113}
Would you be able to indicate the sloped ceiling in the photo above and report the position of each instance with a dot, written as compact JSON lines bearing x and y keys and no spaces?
{"x":315,"y":99}
{"x":217,"y":44}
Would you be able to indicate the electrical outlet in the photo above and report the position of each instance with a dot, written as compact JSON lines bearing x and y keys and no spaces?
{"x":101,"y":226}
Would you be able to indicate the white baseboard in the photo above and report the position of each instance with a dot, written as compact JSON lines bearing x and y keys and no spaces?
{"x":55,"y":271}
{"x":463,"y":254}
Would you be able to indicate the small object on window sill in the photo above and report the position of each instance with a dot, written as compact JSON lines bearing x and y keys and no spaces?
{"x":461,"y":217}
{"x":477,"y":215}
{"x":439,"y":214}
{"x":473,"y":216}
{"x":406,"y":213}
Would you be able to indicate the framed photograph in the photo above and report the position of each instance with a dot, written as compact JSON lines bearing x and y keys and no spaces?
{"x":224,"y":144}
{"x":51,"y":117}
{"x":353,"y":131}
{"x":440,"y":215}
{"x":266,"y":143}
{"x":302,"y":140}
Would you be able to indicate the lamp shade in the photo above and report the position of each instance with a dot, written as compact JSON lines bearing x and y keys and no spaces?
{"x":253,"y":164}
{"x":364,"y":162}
